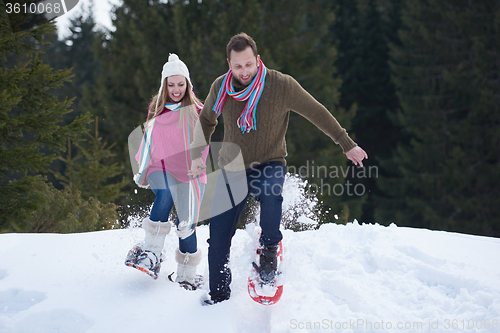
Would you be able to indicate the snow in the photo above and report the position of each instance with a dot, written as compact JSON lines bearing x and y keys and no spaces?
{"x":306,"y":220}
{"x":342,"y":278}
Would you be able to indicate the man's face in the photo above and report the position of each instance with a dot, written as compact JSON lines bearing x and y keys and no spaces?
{"x":244,"y":65}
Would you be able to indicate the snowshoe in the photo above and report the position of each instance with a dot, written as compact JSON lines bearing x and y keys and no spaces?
{"x":268,"y":268}
{"x":264,"y":286}
{"x":144,"y":260}
{"x":198,"y":282}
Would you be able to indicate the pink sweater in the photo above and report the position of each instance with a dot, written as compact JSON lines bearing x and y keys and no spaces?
{"x":168,"y":146}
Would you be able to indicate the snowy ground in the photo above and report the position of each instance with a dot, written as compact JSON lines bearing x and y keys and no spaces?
{"x":352,"y":278}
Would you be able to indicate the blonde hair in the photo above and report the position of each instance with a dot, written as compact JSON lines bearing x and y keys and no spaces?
{"x":158,"y":101}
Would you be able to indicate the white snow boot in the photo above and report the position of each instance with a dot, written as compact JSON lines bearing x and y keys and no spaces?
{"x":155,"y":233}
{"x":147,"y":256}
{"x":186,"y":269}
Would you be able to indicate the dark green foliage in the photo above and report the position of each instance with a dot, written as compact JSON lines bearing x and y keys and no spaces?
{"x":92,"y":169}
{"x":364,"y":29}
{"x":64,"y":212}
{"x":76,"y":52}
{"x":447,"y":75}
{"x":31,"y":132}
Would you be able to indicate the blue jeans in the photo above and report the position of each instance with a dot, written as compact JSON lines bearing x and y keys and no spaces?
{"x":265,"y":183}
{"x":168,"y":191}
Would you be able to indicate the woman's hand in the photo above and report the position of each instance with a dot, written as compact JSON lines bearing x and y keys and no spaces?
{"x":197,"y":167}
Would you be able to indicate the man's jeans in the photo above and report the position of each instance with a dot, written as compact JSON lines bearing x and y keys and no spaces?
{"x":265,"y":183}
{"x":169,"y":190}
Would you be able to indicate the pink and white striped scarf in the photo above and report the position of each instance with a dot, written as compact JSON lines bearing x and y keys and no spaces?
{"x":247,"y":120}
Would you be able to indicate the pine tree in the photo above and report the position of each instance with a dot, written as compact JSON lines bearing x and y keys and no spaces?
{"x":76,"y":52}
{"x":362,"y":29}
{"x":446,"y":72}
{"x":93,"y":170}
{"x":30,"y":115}
{"x":67,"y":212}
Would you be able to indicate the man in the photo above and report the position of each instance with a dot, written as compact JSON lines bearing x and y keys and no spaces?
{"x":256,"y":102}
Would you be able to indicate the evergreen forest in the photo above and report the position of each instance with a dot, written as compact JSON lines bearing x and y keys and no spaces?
{"x":415,"y":82}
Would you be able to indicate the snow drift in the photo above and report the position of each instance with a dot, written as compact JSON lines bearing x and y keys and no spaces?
{"x":339,"y":278}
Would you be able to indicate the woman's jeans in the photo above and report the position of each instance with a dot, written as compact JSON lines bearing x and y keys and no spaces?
{"x":168,"y":191}
{"x":265,"y":183}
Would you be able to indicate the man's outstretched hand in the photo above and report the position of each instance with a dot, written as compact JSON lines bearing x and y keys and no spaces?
{"x":357,"y":154}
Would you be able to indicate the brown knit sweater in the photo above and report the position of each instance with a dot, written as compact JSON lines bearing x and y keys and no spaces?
{"x":281,"y":94}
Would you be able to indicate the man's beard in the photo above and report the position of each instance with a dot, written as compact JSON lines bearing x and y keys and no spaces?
{"x":248,"y":82}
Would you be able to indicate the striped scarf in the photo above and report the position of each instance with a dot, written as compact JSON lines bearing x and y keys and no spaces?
{"x":145,"y":157}
{"x":194,"y":183}
{"x":247,"y":121}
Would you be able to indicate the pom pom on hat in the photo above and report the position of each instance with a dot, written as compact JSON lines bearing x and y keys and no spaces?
{"x":173,"y":57}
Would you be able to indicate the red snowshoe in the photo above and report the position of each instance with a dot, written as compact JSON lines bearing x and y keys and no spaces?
{"x":264,"y":285}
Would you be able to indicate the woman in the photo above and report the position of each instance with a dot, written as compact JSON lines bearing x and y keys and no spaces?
{"x":164,"y":162}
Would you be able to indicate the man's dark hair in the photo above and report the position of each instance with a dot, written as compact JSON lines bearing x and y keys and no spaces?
{"x":239,"y":43}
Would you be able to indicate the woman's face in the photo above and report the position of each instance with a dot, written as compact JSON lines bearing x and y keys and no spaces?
{"x":176,"y":85}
